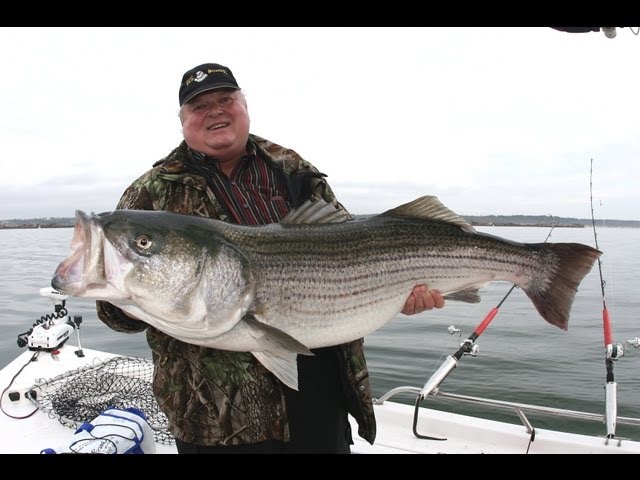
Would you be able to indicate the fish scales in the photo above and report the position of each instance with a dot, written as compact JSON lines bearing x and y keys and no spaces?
{"x":321,"y":267}
{"x":278,"y":290}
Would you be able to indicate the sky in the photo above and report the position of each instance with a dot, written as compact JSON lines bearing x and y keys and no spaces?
{"x":491,"y":120}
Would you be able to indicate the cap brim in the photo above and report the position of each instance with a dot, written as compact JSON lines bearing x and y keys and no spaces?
{"x":208,"y":89}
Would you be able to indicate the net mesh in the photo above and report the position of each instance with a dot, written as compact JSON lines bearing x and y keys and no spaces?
{"x":81,"y":395}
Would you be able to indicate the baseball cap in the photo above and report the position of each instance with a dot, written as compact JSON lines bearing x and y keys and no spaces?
{"x":205,"y":77}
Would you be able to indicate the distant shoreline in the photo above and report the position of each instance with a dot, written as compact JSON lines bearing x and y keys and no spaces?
{"x":27,"y":226}
{"x":546,"y":225}
{"x":476,"y":221}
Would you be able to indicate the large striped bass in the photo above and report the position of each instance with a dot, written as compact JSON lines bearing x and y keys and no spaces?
{"x":313,"y":280}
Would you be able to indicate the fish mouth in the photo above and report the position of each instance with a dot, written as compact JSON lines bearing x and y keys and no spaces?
{"x":85,"y":264}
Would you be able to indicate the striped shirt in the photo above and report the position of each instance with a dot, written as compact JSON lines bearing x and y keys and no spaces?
{"x":254,"y":193}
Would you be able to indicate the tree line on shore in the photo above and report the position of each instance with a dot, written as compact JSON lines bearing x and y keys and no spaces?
{"x":477,"y":220}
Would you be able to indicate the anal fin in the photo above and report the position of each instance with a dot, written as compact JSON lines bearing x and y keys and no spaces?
{"x":467,"y":296}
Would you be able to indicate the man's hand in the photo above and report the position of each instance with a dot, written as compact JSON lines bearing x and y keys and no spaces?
{"x":421,"y":299}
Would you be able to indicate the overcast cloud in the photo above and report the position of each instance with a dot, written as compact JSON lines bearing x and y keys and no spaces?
{"x":491,"y":120}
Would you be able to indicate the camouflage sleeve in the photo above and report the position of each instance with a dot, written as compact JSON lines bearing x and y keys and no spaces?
{"x":292,"y":162}
{"x":321,"y":189}
{"x":136,"y":197}
{"x":117,"y":320}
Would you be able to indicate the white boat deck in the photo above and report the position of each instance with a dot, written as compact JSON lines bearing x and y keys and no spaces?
{"x":472,"y":435}
{"x":464,"y":434}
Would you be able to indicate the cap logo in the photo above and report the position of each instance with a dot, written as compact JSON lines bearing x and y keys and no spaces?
{"x":216,"y":70}
{"x":200,"y":76}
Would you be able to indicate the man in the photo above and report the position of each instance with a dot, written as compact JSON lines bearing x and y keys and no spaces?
{"x":227,"y":402}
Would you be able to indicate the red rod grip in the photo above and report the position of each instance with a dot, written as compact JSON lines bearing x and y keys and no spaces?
{"x":487,"y":320}
{"x":606,"y":325}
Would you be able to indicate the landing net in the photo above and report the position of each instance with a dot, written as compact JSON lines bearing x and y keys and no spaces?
{"x":79,"y":396}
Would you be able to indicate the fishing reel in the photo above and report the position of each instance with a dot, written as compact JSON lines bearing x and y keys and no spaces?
{"x":614,"y":351}
{"x":469,"y":348}
{"x":51,"y":331}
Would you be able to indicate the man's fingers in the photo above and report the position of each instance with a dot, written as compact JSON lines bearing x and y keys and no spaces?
{"x":438,"y":299}
{"x":421,"y":299}
{"x":410,"y":305}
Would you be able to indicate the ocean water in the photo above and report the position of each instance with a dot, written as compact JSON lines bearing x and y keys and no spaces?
{"x":521,"y":358}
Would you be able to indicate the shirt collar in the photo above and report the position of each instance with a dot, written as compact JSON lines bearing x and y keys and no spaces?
{"x":201,"y":157}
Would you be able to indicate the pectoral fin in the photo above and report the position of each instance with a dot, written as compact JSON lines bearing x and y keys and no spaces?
{"x":280,"y":350}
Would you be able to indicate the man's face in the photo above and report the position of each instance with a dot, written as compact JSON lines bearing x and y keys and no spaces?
{"x":216,"y":123}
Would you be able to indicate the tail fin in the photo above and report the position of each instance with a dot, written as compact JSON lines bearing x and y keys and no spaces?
{"x":573,"y":261}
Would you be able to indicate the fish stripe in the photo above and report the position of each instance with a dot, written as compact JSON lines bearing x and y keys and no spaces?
{"x":325,"y":268}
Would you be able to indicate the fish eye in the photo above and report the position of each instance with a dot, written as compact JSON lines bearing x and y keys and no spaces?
{"x":144,"y":242}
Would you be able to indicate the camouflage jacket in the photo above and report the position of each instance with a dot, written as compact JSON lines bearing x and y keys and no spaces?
{"x":216,"y":397}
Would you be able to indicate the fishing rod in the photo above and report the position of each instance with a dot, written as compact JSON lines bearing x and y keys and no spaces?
{"x":467,"y":347}
{"x":612,"y":351}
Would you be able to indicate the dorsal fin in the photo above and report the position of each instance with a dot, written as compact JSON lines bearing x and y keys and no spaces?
{"x":429,"y":208}
{"x":316,"y":211}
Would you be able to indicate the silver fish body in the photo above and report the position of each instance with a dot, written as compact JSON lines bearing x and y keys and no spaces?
{"x":278,"y":290}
